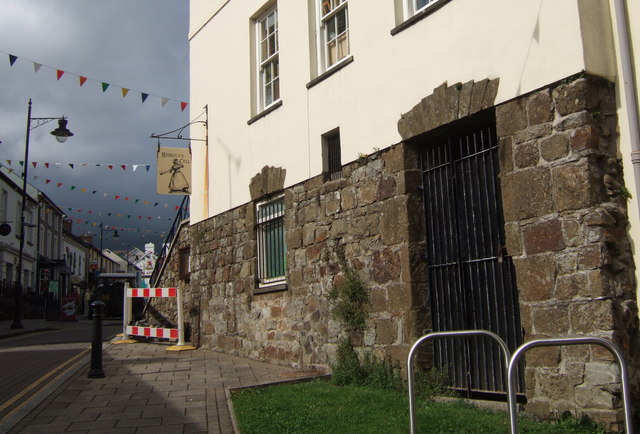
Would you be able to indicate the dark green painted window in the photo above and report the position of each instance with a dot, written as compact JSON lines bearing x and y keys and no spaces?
{"x":272,"y":252}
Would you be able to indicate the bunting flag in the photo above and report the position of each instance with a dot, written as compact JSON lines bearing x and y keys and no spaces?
{"x":83,"y":189}
{"x":82,"y":80}
{"x":48,"y":165}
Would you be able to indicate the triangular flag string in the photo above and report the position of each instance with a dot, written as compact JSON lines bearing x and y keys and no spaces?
{"x":82,"y":79}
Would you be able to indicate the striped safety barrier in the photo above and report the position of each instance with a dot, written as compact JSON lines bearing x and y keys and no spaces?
{"x":152,"y":292}
{"x":154,"y":332}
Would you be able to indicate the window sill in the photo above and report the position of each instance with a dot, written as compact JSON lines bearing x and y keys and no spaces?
{"x":419,"y":16}
{"x":265,"y":112}
{"x":278,"y":287}
{"x":328,"y":73}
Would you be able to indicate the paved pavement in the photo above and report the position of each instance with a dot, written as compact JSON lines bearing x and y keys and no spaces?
{"x":146,"y":389}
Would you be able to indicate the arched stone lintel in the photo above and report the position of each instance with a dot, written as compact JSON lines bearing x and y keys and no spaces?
{"x":268,"y":181}
{"x":447,"y":104}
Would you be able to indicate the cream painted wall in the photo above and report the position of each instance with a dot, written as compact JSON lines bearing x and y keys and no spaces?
{"x":526,"y":43}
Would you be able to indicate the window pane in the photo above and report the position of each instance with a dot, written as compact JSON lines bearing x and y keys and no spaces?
{"x":343,"y":46}
{"x":341,"y":17}
{"x":422,"y":3}
{"x":276,"y":89}
{"x":331,"y":30}
{"x":331,"y":53}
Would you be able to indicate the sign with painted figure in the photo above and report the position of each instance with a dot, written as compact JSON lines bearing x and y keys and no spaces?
{"x":174,"y":171}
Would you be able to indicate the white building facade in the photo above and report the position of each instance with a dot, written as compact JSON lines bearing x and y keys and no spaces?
{"x":474,"y":162}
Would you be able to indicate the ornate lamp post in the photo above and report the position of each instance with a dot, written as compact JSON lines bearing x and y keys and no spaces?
{"x":61,"y":134}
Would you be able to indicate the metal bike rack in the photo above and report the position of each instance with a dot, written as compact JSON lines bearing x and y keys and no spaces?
{"x":459,"y":333}
{"x":626,"y":399}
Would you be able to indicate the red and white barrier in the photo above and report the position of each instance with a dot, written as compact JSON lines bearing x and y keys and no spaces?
{"x":154,"y":332}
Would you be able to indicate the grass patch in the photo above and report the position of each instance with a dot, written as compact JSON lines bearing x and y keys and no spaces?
{"x":322,"y":407}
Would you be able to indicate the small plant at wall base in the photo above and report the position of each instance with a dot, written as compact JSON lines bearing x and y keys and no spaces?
{"x":349,"y":298}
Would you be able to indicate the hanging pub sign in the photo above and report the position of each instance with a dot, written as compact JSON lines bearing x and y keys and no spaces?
{"x":174,"y":171}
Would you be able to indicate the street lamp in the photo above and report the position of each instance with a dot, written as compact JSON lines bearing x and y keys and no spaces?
{"x":61,"y":134}
{"x":115,"y":237}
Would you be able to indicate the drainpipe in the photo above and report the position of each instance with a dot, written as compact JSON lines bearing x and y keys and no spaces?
{"x":629,"y":89}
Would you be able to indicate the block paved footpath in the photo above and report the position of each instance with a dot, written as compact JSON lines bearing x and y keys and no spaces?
{"x":148,"y":389}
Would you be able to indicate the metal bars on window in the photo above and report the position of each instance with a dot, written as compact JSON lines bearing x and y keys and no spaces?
{"x":334,"y":157}
{"x":471,"y":279}
{"x":272,"y":254}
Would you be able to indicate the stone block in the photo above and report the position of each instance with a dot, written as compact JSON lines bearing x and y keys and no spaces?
{"x":386,"y":331}
{"x":592,"y":317}
{"x":587,"y":396}
{"x":477,"y":95}
{"x":490,"y":93}
{"x":464,"y":99}
{"x":332,"y":203}
{"x":394,"y":159}
{"x":551,"y":320}
{"x":535,"y":277}
{"x":572,"y":232}
{"x":526,"y":194}
{"x":575,"y":96}
{"x":513,"y":239}
{"x":603,"y":374}
{"x":394,"y":221}
{"x":556,"y":387}
{"x":505,"y":152}
{"x":590,"y":257}
{"x":386,"y":188}
{"x":554,"y":147}
{"x":367,"y":193}
{"x":386,"y":266}
{"x":571,"y":286}
{"x":543,"y":357}
{"x":435,"y":108}
{"x":543,"y":236}
{"x":586,"y":137}
{"x":511,"y":117}
{"x":539,"y":108}
{"x":348,"y":196}
{"x":573,"y":187}
{"x":526,"y":155}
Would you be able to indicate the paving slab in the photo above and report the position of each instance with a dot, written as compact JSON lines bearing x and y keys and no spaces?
{"x":149,"y":389}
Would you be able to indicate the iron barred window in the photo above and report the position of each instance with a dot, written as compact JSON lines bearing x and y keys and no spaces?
{"x":272,"y":252}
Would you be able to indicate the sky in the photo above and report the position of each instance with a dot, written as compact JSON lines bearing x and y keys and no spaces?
{"x":139,"y":45}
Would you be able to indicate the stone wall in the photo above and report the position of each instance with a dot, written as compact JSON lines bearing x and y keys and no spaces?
{"x":373,"y":213}
{"x":565,"y":222}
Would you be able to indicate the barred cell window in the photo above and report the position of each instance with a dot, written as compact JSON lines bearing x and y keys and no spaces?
{"x":332,"y":155}
{"x":272,"y":252}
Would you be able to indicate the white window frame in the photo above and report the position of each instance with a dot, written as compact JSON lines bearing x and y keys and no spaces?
{"x":267,"y":245}
{"x":268,"y":64}
{"x":412,"y":8}
{"x":323,"y":38}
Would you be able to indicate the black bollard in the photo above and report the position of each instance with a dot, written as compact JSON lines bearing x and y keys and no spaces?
{"x":96,"y":341}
